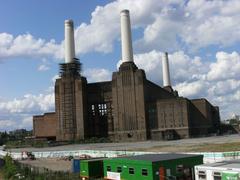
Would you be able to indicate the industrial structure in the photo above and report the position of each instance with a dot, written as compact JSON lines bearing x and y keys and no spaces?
{"x":127,"y":108}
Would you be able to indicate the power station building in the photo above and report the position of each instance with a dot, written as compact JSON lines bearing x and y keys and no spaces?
{"x":127,"y":108}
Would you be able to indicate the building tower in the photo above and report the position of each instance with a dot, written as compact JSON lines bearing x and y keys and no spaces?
{"x":128,"y":92}
{"x":165,"y":69}
{"x":70,"y":99}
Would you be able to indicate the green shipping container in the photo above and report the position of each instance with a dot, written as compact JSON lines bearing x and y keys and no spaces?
{"x":92,"y":168}
{"x":152,"y":167}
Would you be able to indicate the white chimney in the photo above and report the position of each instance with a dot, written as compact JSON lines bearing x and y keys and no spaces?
{"x":127,"y":52}
{"x":165,"y":69}
{"x":69,"y":42}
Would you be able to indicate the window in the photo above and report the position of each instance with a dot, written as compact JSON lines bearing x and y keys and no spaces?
{"x":217,"y":176}
{"x":119,"y":169}
{"x":179,"y":168}
{"x":144,"y":172}
{"x":201,"y":175}
{"x":108,"y":168}
{"x":102,"y":109}
{"x":131,"y":170}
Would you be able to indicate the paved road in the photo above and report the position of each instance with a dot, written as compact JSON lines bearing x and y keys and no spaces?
{"x":143,"y":145}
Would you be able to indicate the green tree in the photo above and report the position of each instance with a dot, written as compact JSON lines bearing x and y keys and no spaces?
{"x":9,"y":168}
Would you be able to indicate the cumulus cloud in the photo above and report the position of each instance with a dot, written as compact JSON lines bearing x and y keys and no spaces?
{"x":27,"y":46}
{"x":194,"y":77}
{"x":227,"y":66}
{"x":16,"y":122}
{"x":174,"y":25}
{"x":6,"y":124}
{"x":28,"y":104}
{"x":211,"y":22}
{"x":189,"y":76}
{"x":97,"y":75}
{"x":17,"y":113}
{"x":166,"y":25}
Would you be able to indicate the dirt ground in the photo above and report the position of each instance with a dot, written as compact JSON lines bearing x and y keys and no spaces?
{"x":53,"y":164}
{"x":206,"y":144}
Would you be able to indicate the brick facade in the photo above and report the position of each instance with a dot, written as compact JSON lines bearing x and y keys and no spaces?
{"x":128,"y":108}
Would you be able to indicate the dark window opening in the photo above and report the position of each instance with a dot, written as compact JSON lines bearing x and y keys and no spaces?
{"x":144,"y":172}
{"x":152,"y":116}
{"x":201,"y":175}
{"x":131,"y":170}
{"x":217,"y":176}
{"x":100,"y":119}
{"x":108,"y":168}
{"x":129,"y":135}
{"x":179,"y":168}
{"x":119,"y":169}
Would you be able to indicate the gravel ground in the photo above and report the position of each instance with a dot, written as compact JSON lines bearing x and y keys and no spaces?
{"x":167,"y":146}
{"x":182,"y":145}
{"x":50,"y":163}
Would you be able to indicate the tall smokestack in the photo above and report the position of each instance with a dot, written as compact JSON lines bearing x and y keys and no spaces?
{"x":69,"y":42}
{"x":165,"y":69}
{"x":127,"y":52}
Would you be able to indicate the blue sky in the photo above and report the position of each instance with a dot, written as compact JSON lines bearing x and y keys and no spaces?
{"x":202,"y":38}
{"x":42,"y":19}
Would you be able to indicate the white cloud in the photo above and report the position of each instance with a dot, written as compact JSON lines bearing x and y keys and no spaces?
{"x":6,"y":124}
{"x":28,"y":104}
{"x":54,"y":78}
{"x":27,"y":122}
{"x":97,"y":75}
{"x":17,"y":113}
{"x":166,"y":25}
{"x":28,"y":46}
{"x":191,"y":77}
{"x":16,"y":122}
{"x":43,"y":67}
{"x":227,"y":66}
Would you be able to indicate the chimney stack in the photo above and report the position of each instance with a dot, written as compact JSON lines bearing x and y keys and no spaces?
{"x":69,"y":42}
{"x":165,"y":69}
{"x":126,"y":38}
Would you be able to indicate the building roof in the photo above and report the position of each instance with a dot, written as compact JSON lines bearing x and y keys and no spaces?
{"x":224,"y":164}
{"x":160,"y":157}
{"x":94,"y":159}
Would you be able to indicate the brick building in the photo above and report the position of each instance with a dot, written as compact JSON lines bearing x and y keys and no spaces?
{"x":44,"y":126}
{"x":127,"y":108}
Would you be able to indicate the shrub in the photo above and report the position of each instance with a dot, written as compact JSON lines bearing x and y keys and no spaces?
{"x":9,"y":169}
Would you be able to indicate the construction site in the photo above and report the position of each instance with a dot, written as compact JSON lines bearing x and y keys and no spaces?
{"x":90,"y":158}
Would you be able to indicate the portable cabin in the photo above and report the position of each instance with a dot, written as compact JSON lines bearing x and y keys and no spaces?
{"x":226,"y":170}
{"x":76,"y":165}
{"x":91,"y":168}
{"x":152,"y":167}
